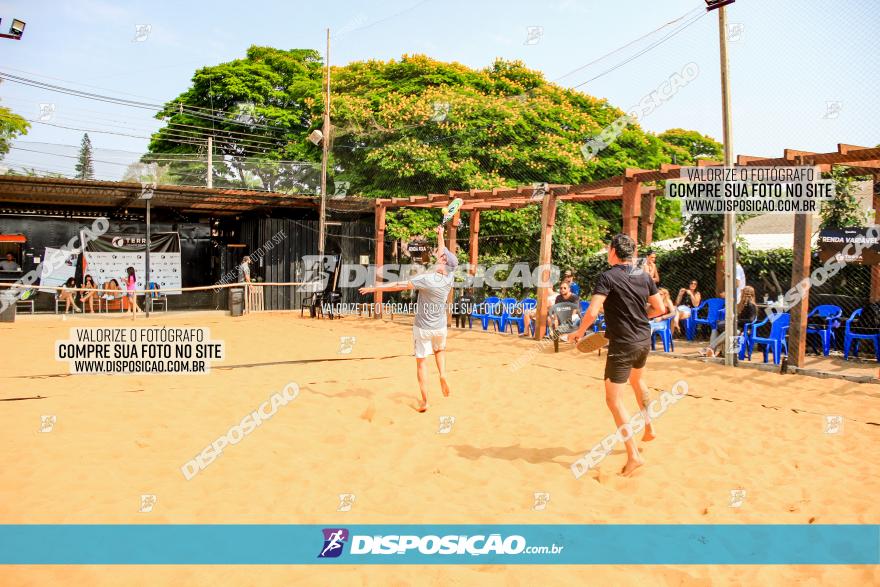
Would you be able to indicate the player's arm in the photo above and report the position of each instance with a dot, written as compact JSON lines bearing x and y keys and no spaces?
{"x":391,"y":286}
{"x":589,"y":316}
{"x":441,"y":246}
{"x":656,"y":308}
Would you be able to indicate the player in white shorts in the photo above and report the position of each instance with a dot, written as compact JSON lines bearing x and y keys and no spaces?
{"x":429,"y":328}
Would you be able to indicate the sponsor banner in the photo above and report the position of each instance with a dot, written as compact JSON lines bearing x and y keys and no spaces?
{"x":108,"y":256}
{"x":57,"y":266}
{"x":854,"y":245}
{"x":252,"y":544}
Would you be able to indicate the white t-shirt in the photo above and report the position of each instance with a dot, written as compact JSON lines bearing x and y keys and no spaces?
{"x":740,"y":281}
{"x":433,"y":297}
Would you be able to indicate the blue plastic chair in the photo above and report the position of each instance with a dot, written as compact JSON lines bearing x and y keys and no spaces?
{"x":827,"y":313}
{"x":583,"y":306}
{"x":849,"y":337}
{"x":664,"y":331}
{"x":746,"y":337}
{"x":485,"y":310}
{"x":497,"y":314}
{"x":520,"y":321}
{"x":713,"y":307}
{"x":776,"y":342}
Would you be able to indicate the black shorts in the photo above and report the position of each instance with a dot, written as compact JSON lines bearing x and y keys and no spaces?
{"x":623,"y":358}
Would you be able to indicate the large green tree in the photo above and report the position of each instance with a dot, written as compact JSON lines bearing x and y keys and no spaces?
{"x":415,"y":126}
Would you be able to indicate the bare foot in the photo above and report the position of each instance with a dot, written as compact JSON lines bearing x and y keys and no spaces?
{"x":630,"y":466}
{"x":649,"y":434}
{"x":423,"y":407}
{"x":444,"y":387}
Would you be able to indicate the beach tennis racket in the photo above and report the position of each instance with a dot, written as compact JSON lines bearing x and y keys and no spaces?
{"x":592,"y":342}
{"x":450,"y":210}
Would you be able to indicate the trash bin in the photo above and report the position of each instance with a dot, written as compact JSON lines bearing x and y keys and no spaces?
{"x":8,"y":314}
{"x":236,"y":301}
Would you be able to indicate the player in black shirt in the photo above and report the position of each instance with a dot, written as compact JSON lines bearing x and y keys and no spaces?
{"x":624,"y":292}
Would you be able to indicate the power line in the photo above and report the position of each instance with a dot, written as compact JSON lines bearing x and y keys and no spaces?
{"x":622,"y":47}
{"x":182,"y":108}
{"x":642,"y":52}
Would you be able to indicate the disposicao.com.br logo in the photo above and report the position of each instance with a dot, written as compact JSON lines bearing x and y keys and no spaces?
{"x":334,"y":540}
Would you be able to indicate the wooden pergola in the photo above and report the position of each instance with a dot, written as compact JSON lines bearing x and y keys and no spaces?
{"x":863,"y":161}
{"x":639,"y":205}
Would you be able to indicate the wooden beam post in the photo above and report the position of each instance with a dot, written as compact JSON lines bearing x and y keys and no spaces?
{"x":649,"y":211}
{"x":474,"y":243}
{"x":452,"y":246}
{"x":380,"y":257}
{"x":875,"y":269}
{"x":632,"y":204}
{"x":548,"y":219}
{"x":800,"y":271}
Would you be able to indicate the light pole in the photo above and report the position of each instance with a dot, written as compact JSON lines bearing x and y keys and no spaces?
{"x":325,"y":154}
{"x":729,"y":246}
{"x":15,"y":31}
{"x":148,"y":196}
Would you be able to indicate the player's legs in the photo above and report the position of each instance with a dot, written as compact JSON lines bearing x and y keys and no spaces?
{"x":422,"y":376}
{"x":619,"y":362}
{"x":438,"y":346}
{"x":643,"y":398}
{"x":614,"y":401}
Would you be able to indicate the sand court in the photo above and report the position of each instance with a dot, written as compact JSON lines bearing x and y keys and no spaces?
{"x":353,"y":429}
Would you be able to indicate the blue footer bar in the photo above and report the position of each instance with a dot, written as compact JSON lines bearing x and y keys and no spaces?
{"x":251,"y":544}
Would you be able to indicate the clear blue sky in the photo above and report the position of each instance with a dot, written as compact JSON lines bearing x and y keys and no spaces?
{"x":791,"y":58}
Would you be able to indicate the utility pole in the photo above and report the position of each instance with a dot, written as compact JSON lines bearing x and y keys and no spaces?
{"x":730,"y":322}
{"x":210,"y":183}
{"x":148,"y":196}
{"x":325,"y":144}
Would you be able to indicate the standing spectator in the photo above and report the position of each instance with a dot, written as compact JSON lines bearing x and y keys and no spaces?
{"x":650,"y":266}
{"x":244,"y":270}
{"x":740,"y":281}
{"x":131,"y":289}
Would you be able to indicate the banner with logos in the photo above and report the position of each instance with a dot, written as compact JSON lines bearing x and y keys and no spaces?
{"x":56,"y":267}
{"x":108,"y":257}
{"x":863,"y":248}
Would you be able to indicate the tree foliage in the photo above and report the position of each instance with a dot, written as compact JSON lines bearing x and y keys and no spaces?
{"x":844,"y":210}
{"x":416,"y":125}
{"x":85,"y":168}
{"x":11,"y":126}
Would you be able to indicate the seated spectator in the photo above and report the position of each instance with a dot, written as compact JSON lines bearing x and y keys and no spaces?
{"x":90,"y":295}
{"x":68,"y":295}
{"x":569,"y":278}
{"x":565,"y":296}
{"x":687,"y":299}
{"x":530,"y":316}
{"x":110,"y":295}
{"x":746,"y":311}
{"x":667,"y":303}
{"x":9,"y":263}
